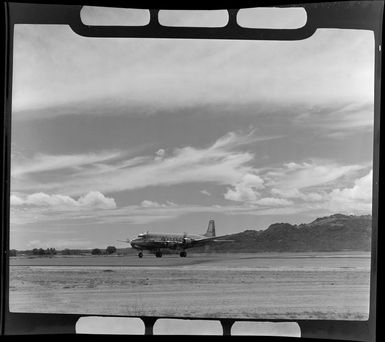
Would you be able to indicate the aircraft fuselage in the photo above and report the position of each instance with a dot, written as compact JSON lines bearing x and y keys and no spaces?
{"x":156,"y":242}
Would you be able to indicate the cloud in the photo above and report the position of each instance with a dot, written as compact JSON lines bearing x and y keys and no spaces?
{"x":34,"y":243}
{"x":95,"y":199}
{"x":44,"y":200}
{"x":59,"y":244}
{"x":44,"y":162}
{"x":146,"y":212}
{"x":294,"y":186}
{"x":151,"y":204}
{"x":205,"y":192}
{"x":236,"y":139}
{"x":296,"y":176}
{"x":246,"y":189}
{"x":356,"y":198}
{"x":61,"y":69}
{"x":220,"y":163}
{"x":160,"y":154}
{"x":295,"y":193}
{"x":323,"y":186}
{"x":273,"y":202}
{"x":338,"y":120}
{"x":16,"y":200}
{"x":307,"y":187}
{"x":92,"y":200}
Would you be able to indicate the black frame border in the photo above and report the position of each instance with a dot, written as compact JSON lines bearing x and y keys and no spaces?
{"x":363,"y":15}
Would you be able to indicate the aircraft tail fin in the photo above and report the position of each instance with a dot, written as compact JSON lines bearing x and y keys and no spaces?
{"x":210,"y":229}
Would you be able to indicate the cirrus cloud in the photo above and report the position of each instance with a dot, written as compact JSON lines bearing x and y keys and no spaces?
{"x":221,"y":163}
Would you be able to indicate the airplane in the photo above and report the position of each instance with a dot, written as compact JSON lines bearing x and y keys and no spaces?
{"x":156,"y":242}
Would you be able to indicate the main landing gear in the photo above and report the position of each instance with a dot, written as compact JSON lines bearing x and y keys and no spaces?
{"x":183,"y":254}
{"x":158,"y":254}
{"x":140,"y":255}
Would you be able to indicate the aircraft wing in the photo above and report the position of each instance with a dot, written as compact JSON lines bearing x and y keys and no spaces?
{"x":209,"y":240}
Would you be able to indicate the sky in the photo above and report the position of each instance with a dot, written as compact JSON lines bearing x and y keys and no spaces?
{"x":112,"y":137}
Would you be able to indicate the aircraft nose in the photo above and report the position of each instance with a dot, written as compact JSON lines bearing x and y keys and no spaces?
{"x":134,"y":242}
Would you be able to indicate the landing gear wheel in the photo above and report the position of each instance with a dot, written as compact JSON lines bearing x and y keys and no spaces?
{"x":183,"y":254}
{"x":140,"y":255}
{"x":158,"y":254}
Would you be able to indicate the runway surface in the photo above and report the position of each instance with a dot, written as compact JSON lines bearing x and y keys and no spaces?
{"x":263,"y":286}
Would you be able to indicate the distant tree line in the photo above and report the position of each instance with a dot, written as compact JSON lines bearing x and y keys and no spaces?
{"x":52,"y":251}
{"x":68,"y":251}
{"x":109,"y":250}
{"x":41,"y":251}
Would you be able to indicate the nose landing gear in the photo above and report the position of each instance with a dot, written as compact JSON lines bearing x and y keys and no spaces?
{"x":140,"y":255}
{"x":158,"y":254}
{"x":183,"y":254}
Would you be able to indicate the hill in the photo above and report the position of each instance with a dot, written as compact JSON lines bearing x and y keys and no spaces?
{"x":330,"y":234}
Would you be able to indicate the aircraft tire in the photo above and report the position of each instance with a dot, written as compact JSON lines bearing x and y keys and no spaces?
{"x":183,"y":254}
{"x":158,"y":254}
{"x":140,"y":255}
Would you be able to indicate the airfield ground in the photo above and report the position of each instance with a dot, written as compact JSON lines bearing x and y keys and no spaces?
{"x":263,"y":286}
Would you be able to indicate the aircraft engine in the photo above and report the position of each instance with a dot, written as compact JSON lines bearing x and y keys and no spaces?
{"x":171,"y":244}
{"x":187,"y":241}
